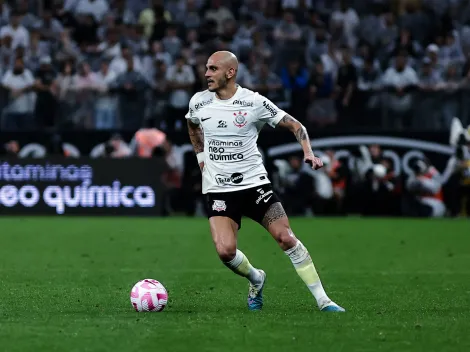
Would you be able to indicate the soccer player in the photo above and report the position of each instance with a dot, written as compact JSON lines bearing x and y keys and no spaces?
{"x":223,"y":123}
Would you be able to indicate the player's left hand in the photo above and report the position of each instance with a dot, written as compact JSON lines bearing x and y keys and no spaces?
{"x":315,"y":163}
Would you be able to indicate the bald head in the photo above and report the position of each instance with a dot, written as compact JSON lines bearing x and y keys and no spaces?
{"x":222,"y":68}
{"x":225,"y":60}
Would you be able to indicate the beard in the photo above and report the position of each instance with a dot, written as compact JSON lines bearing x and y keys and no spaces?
{"x":220,"y":84}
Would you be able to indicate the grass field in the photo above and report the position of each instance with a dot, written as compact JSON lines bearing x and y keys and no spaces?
{"x":65,"y":283}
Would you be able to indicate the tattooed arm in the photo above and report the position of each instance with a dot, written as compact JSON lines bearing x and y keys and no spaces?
{"x":302,"y":137}
{"x":299,"y":131}
{"x":196,"y":136}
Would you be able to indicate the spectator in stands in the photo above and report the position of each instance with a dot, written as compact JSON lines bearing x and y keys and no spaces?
{"x":118,"y":148}
{"x":65,"y":48}
{"x":119,"y":63}
{"x":432,"y":51}
{"x":192,"y":20}
{"x":192,"y":40}
{"x":287,"y":32}
{"x":155,"y":20}
{"x":171,"y":42}
{"x":347,"y":82}
{"x":19,"y":83}
{"x":295,"y":78}
{"x":18,"y":33}
{"x":218,"y":13}
{"x":50,"y":28}
{"x":348,"y":19}
{"x":180,"y":78}
{"x":453,"y":82}
{"x":130,"y":85}
{"x":10,"y":149}
{"x":67,"y":94}
{"x":110,"y":47}
{"x":369,"y":85}
{"x":268,"y":83}
{"x":106,"y":104}
{"x":400,"y":80}
{"x":322,"y":109}
{"x":317,"y":44}
{"x":85,"y":87}
{"x":96,"y":8}
{"x":4,"y":13}
{"x":28,"y":19}
{"x":337,"y":171}
{"x":451,"y":52}
{"x":123,"y":14}
{"x":46,"y":89}
{"x":299,"y":190}
{"x":425,"y":187}
{"x":406,"y":43}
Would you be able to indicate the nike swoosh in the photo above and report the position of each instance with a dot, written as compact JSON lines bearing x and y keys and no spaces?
{"x":207,"y":118}
{"x":266,"y":200}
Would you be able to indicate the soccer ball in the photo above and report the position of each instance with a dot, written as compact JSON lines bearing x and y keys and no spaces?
{"x":149,"y":296}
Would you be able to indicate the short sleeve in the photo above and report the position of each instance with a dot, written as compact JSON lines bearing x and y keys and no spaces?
{"x":268,"y":112}
{"x":191,"y":114}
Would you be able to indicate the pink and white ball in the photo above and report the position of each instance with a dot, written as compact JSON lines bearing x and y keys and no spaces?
{"x":149,"y":296}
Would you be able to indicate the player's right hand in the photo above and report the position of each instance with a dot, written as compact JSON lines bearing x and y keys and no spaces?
{"x":313,"y":161}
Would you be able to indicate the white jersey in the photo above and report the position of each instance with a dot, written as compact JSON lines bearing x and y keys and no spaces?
{"x":231,"y":127}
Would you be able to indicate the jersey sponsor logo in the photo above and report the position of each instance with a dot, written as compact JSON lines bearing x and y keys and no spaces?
{"x":264,"y":196}
{"x":243,"y":103}
{"x":202,"y":104}
{"x":219,"y":205}
{"x":240,"y":120}
{"x":222,"y":124}
{"x":222,"y":180}
{"x":217,"y":143}
{"x":270,"y":108}
{"x":218,"y":154}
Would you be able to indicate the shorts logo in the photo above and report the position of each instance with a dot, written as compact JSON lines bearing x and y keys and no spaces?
{"x":263,"y":195}
{"x":240,"y":120}
{"x":219,"y":205}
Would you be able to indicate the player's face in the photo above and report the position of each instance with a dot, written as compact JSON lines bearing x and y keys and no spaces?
{"x":215,"y":76}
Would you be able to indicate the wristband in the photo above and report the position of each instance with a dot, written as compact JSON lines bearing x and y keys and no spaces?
{"x":200,"y":157}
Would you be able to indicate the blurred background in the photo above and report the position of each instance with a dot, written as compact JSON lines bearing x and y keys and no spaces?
{"x":381,"y":85}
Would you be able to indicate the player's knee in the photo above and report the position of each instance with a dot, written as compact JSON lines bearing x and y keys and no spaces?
{"x":285,"y":237}
{"x":226,"y":252}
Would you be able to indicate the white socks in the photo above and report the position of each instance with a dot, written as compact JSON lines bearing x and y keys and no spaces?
{"x":303,"y":264}
{"x":241,"y":266}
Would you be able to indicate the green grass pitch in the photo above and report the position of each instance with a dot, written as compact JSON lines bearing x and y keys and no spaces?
{"x":65,"y":284}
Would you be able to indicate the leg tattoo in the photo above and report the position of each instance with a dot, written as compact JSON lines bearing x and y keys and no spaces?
{"x":275,"y":212}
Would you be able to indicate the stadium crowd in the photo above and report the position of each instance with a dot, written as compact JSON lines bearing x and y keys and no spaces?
{"x":133,"y":65}
{"x":107,"y":64}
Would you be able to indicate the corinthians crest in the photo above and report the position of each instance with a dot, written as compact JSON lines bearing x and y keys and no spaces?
{"x":240,"y":119}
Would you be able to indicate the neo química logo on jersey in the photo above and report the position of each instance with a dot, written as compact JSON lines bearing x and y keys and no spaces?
{"x":224,"y":150}
{"x":63,"y":188}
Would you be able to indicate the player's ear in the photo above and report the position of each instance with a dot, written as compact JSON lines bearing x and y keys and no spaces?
{"x":230,"y":73}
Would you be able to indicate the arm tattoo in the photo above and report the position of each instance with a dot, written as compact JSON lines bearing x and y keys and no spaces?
{"x":274,"y":213}
{"x":299,"y":131}
{"x":288,"y":119}
{"x":196,"y":135}
{"x":301,"y":134}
